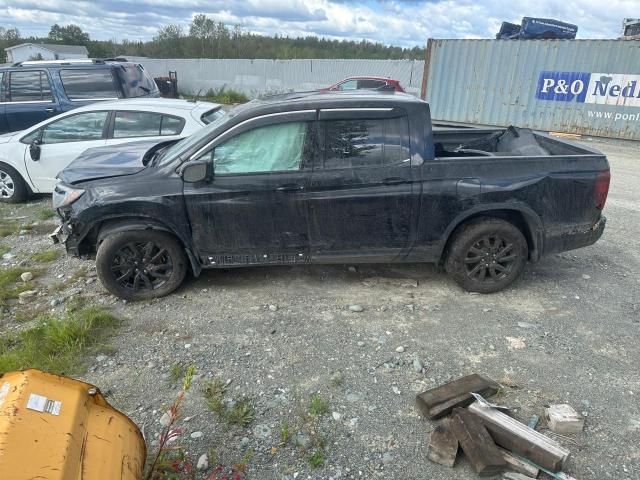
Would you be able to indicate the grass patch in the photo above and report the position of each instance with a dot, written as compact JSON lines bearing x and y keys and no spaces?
{"x":8,"y":227}
{"x":4,"y":249}
{"x":45,"y":213}
{"x":57,"y":345}
{"x":176,"y":372}
{"x":214,"y":391}
{"x":45,"y":256}
{"x":318,"y":406}
{"x":11,"y":285}
{"x":221,"y":95}
{"x":285,"y":433}
{"x":316,"y":459}
{"x":240,"y":413}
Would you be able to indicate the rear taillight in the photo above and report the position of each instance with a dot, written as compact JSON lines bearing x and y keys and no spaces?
{"x":602,"y":189}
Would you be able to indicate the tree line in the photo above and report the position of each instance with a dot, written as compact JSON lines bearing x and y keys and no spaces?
{"x":208,"y":39}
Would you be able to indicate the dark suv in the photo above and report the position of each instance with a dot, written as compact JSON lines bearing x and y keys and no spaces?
{"x":31,"y":92}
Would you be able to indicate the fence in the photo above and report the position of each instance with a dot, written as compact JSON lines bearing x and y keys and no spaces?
{"x":577,"y":86}
{"x":257,"y":77}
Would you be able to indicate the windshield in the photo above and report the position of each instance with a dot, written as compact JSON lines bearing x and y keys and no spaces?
{"x":184,"y":145}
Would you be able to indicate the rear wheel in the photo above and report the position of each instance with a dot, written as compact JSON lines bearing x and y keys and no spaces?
{"x":12,"y":186}
{"x":141,"y":264}
{"x":487,"y":255}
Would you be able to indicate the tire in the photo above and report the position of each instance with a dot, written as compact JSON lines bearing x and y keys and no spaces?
{"x":13,"y":188}
{"x":128,"y":264}
{"x":487,"y":255}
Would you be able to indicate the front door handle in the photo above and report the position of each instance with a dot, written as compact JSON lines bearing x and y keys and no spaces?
{"x":394,"y":181}
{"x":290,"y":187}
{"x":50,"y":110}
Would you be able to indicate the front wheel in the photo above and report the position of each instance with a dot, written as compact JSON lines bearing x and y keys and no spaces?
{"x":13,"y":189}
{"x":487,"y":255}
{"x":141,"y":264}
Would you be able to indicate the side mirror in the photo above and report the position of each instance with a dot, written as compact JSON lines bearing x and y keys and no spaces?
{"x":195,"y":172}
{"x":35,"y":150}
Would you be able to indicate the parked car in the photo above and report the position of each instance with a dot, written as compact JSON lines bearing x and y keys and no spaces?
{"x":326,"y":178}
{"x":365,"y":83}
{"x":34,"y":91}
{"x":30,"y":160}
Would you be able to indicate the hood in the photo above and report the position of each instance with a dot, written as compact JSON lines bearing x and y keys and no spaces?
{"x":6,"y":137}
{"x":111,"y":161}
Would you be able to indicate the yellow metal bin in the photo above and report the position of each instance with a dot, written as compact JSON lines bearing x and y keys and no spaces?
{"x":57,"y":428}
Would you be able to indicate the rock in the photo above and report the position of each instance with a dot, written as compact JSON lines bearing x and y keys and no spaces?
{"x":90,"y":280}
{"x":585,"y":276}
{"x":417,"y":365}
{"x":516,"y":343}
{"x":400,"y":349}
{"x":356,"y":308}
{"x":262,"y":432}
{"x":8,"y":256}
{"x":486,"y":310}
{"x":526,"y":325}
{"x":396,"y":390}
{"x":352,"y":269}
{"x":26,"y":276}
{"x":353,"y":397}
{"x":301,"y":440}
{"x":23,"y":297}
{"x":382,"y":340}
{"x":387,"y":458}
{"x":244,"y":443}
{"x":337,"y":416}
{"x":354,"y":422}
{"x":203,"y":462}
{"x":101,"y":358}
{"x":187,"y":345}
{"x":273,"y":308}
{"x":55,"y":302}
{"x":196,"y":435}
{"x":165,"y":419}
{"x":361,"y":343}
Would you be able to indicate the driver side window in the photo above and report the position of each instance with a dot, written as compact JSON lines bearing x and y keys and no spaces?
{"x":272,"y":148}
{"x":75,"y":128}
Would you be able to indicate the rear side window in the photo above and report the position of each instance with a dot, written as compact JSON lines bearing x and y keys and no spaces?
{"x":29,"y":86}
{"x":135,"y":81}
{"x":371,"y":84}
{"x":145,"y":124}
{"x":88,"y":84}
{"x":365,"y":143}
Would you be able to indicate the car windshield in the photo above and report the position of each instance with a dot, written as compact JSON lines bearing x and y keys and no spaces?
{"x":176,"y":150}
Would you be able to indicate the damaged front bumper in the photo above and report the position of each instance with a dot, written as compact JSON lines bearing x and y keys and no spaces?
{"x":561,"y":241}
{"x":64,"y":234}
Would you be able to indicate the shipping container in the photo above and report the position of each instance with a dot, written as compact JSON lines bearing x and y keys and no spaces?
{"x":589,"y":87}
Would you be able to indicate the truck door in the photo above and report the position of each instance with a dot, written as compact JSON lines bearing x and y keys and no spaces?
{"x":254,"y":209}
{"x":363,"y":198}
{"x":28,"y":98}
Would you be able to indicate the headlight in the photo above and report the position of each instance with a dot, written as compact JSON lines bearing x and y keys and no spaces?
{"x":63,"y":195}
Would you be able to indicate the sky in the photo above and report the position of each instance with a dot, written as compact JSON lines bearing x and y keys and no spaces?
{"x":405,"y":23}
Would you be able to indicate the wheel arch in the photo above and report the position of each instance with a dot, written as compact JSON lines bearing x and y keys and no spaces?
{"x":23,"y":174}
{"x":525,"y":219}
{"x":101,"y":230}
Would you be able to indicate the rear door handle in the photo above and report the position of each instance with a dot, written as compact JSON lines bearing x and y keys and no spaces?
{"x":290,"y":187}
{"x":394,"y":181}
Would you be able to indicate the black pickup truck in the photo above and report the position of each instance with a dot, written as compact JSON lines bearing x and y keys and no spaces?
{"x":330,"y":178}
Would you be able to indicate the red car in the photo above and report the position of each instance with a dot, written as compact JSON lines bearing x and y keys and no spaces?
{"x":368,"y":83}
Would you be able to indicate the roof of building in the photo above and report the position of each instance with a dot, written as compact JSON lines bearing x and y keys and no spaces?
{"x":75,"y":49}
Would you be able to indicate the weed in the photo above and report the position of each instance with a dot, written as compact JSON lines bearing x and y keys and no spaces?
{"x":45,"y":256}
{"x":318,"y":406}
{"x":56,"y":344}
{"x":171,"y":463}
{"x":78,"y":274}
{"x":316,"y":459}
{"x":11,"y":285}
{"x":214,"y":392}
{"x":176,"y":371}
{"x":241,"y":413}
{"x":285,"y":433}
{"x":337,"y":379}
{"x":4,"y":249}
{"x":8,"y":227}
{"x":222,"y":95}
{"x":45,"y":213}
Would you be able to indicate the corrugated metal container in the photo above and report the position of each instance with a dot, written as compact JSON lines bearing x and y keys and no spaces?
{"x":257,"y":77}
{"x":575,"y":86}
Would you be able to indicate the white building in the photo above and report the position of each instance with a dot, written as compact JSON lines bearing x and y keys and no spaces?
{"x":45,"y":51}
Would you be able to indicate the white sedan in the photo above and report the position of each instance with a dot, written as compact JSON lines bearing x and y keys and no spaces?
{"x":31,"y":159}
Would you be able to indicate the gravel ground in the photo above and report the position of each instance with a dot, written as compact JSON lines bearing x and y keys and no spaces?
{"x":283,"y":334}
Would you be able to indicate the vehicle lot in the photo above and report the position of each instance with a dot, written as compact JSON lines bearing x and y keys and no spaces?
{"x":282,"y":334}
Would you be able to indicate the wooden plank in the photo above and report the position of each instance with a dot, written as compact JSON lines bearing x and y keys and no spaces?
{"x":476,"y":443}
{"x":564,"y":419}
{"x":518,"y":438}
{"x":440,"y":401}
{"x":443,"y":445}
{"x":518,"y":465}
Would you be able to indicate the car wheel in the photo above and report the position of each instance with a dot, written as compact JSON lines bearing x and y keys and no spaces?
{"x":12,"y":186}
{"x":141,"y":264}
{"x":487,"y":255}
